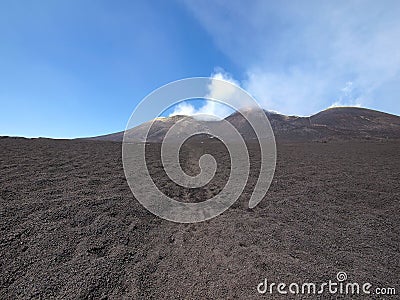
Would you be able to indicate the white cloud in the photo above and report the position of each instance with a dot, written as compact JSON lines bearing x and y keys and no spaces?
{"x":288,"y":93}
{"x":208,"y":111}
{"x":298,"y":55}
{"x":340,"y":104}
{"x":183,"y":108}
{"x":210,"y":108}
{"x":218,"y":91}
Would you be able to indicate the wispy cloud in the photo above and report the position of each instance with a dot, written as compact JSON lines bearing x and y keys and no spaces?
{"x":298,"y":55}
{"x":347,"y":97}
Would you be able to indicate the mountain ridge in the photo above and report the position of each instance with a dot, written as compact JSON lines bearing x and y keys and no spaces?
{"x":331,"y":124}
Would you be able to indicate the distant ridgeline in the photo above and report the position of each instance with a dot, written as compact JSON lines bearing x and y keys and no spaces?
{"x":340,"y":123}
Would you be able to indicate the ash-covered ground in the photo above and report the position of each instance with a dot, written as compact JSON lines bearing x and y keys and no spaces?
{"x":71,"y":228}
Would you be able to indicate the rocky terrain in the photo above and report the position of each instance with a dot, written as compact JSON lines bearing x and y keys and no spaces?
{"x":70,"y":227}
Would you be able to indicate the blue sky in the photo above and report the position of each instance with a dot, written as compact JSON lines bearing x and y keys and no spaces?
{"x":78,"y":68}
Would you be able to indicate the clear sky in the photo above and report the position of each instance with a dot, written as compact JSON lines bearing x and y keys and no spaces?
{"x":77,"y":68}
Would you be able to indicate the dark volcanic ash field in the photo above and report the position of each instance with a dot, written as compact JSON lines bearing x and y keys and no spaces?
{"x":71,"y":228}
